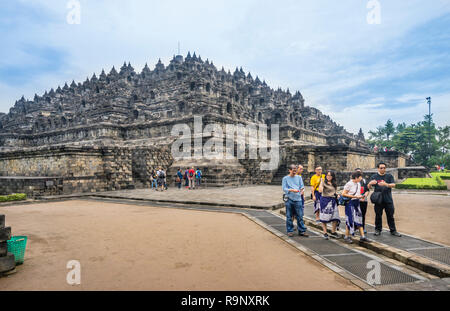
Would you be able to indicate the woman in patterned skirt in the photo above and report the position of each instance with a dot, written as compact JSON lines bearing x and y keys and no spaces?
{"x":329,"y":211}
{"x":353,"y":214}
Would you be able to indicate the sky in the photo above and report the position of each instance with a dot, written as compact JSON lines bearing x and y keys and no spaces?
{"x":359,"y":61}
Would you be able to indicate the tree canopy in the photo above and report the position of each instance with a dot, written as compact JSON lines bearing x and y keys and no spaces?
{"x":426,"y":144}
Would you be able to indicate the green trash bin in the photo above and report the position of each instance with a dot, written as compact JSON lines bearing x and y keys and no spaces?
{"x":16,"y":246}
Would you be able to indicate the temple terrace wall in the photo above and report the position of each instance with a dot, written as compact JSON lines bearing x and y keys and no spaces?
{"x":79,"y":169}
{"x":65,"y":170}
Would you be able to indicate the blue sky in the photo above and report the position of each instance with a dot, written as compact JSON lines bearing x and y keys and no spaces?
{"x":358,"y":73}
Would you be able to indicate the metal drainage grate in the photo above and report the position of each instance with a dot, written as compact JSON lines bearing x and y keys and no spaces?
{"x":324,"y":247}
{"x":405,"y":242}
{"x":357,"y":265}
{"x":271,"y":221}
{"x":257,"y":213}
{"x":439,"y":254}
{"x":282,"y":228}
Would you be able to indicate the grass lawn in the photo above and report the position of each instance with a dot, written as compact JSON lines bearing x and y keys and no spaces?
{"x":435,"y":182}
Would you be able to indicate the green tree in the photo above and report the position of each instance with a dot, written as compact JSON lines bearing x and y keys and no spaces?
{"x":423,"y":141}
{"x":389,"y":129}
{"x":443,"y":154}
{"x":405,"y":140}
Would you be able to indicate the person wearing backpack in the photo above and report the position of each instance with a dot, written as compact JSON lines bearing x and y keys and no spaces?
{"x":179,"y":178}
{"x":353,"y":215}
{"x":186,"y":178}
{"x":382,"y":198}
{"x":161,"y":178}
{"x":191,"y":177}
{"x":198,"y":176}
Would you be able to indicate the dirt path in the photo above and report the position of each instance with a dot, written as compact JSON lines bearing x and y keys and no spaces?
{"x":123,"y":247}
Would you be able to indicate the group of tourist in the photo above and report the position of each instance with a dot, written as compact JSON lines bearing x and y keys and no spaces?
{"x":158,"y":179}
{"x":192,"y":178}
{"x":324,"y":193}
{"x":383,"y":149}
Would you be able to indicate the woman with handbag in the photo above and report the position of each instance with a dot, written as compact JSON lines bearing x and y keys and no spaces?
{"x":329,"y":211}
{"x":353,"y":214}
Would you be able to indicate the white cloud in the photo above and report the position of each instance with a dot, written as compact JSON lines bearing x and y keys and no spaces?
{"x":376,"y":112}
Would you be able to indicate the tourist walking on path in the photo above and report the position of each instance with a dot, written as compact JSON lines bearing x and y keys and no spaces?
{"x":179,"y":178}
{"x":161,"y":178}
{"x":329,"y":211}
{"x":353,"y":215}
{"x":383,"y":184}
{"x":315,"y":194}
{"x":154,"y":179}
{"x":186,"y":178}
{"x":191,"y":177}
{"x":198,"y":177}
{"x":292,"y":186}
{"x":363,"y":202}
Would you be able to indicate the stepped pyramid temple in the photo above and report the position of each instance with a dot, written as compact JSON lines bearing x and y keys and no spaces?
{"x":111,"y":131}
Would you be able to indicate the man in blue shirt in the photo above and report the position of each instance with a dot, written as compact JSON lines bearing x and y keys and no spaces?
{"x":293,"y":188}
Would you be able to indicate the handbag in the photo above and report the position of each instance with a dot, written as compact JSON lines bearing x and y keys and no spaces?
{"x":344,"y":200}
{"x":376,"y":198}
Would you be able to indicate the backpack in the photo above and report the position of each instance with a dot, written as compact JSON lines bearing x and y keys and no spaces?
{"x":199,"y":174}
{"x":191,"y":174}
{"x":162,"y":175}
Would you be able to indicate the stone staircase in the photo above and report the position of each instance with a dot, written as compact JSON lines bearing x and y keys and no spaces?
{"x":278,"y":176}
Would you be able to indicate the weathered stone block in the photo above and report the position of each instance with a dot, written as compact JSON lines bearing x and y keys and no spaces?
{"x":7,"y":263}
{"x":3,"y":249}
{"x":5,"y":234}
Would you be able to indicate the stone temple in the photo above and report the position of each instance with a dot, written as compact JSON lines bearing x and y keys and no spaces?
{"x":111,"y":131}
